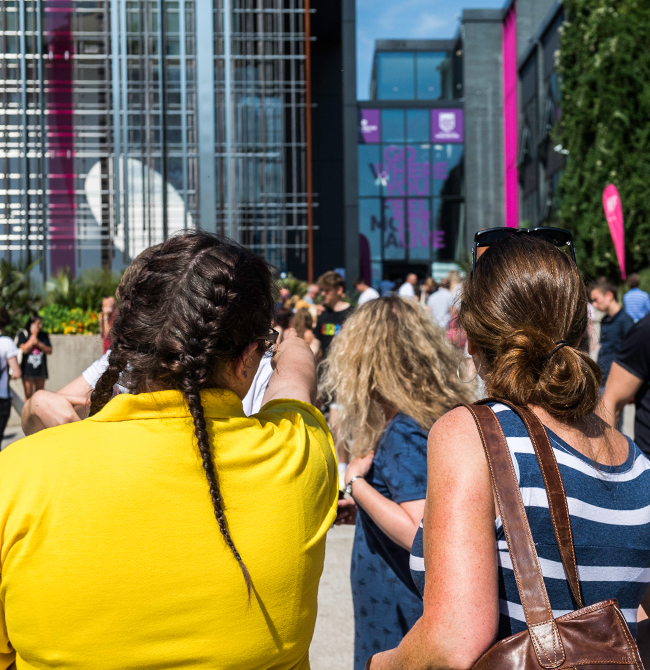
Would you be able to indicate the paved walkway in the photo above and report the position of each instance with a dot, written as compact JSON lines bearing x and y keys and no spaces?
{"x":333,"y":643}
{"x":12,"y":433}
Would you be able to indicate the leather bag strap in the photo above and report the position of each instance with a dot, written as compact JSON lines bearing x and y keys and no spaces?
{"x":555,"y":493}
{"x":528,"y":573}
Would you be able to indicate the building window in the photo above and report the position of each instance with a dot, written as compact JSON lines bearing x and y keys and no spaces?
{"x":392,"y":125}
{"x":434,"y":76}
{"x":395,"y":76}
{"x":414,"y":76}
{"x":418,"y":125}
{"x":370,"y":174}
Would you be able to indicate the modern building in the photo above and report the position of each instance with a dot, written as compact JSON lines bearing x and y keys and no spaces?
{"x":457,"y":137}
{"x":411,"y":158}
{"x":505,"y":100}
{"x":540,"y":159}
{"x":123,"y":121}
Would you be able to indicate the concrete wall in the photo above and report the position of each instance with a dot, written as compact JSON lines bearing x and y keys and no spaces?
{"x":71,"y":355}
{"x":483,"y":77}
{"x":350,"y":140}
{"x":530,"y":16}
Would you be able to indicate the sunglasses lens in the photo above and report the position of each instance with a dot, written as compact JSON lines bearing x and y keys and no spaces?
{"x":559,"y":238}
{"x":484,"y":238}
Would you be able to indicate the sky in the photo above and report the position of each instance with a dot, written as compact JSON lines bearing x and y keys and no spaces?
{"x":405,"y":19}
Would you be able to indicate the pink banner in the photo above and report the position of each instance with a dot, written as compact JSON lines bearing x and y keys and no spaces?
{"x":614,"y":214}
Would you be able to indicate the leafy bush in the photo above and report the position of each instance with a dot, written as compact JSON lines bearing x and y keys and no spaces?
{"x":604,"y":64}
{"x":16,"y":295}
{"x":60,"y":320}
{"x":85,"y":292}
{"x":295,"y":285}
{"x":71,"y":305}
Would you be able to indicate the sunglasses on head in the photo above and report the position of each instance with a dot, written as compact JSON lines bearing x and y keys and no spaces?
{"x":485,"y":238}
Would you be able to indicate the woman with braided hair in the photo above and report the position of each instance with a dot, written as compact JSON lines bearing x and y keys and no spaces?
{"x":111,"y":556}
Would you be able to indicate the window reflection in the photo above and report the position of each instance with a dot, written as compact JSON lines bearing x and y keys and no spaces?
{"x":418,"y":125}
{"x":392,"y":125}
{"x":395,"y":76}
{"x":370,"y":171}
{"x":434,"y":76}
{"x":447,"y":169}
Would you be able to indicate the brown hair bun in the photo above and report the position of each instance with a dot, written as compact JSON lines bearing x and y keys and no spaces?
{"x":565,"y":384}
{"x":524,"y":298}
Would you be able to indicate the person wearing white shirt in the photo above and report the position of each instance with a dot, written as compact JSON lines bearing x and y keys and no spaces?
{"x":407,"y":289}
{"x":367,"y":292}
{"x":440,"y":304}
{"x":9,"y":369}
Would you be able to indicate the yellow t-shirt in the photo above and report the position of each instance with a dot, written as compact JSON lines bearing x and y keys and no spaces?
{"x":111,"y":554}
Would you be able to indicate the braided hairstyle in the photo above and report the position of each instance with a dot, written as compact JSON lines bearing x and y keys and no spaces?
{"x":193,"y":307}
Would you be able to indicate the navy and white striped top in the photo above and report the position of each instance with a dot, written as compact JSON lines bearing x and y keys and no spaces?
{"x":609,"y":508}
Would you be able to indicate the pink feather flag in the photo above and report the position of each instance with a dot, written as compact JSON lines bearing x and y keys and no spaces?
{"x":614,"y":214}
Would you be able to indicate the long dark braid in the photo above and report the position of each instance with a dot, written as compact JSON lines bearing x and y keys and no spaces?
{"x":103,"y":390}
{"x":193,"y":396}
{"x":195,"y":306}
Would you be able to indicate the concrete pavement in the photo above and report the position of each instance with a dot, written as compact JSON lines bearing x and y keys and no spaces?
{"x":333,"y":643}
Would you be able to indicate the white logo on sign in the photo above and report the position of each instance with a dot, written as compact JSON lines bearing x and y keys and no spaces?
{"x":612,"y":202}
{"x":382,"y":179}
{"x":447,"y":121}
{"x":367,"y":128}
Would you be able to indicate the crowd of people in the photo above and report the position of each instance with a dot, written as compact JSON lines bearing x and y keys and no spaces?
{"x":183,"y":522}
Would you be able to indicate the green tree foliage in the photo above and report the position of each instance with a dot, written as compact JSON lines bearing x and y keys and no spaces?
{"x":604,"y":64}
{"x":16,"y":295}
{"x":296,"y":286}
{"x":85,"y":292}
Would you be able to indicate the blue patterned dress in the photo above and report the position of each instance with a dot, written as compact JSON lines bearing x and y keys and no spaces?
{"x":386,"y":601}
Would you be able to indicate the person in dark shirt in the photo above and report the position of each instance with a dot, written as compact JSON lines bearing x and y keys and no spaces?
{"x":329,"y":323}
{"x":615,"y":324}
{"x":629,"y":378}
{"x":35,"y":344}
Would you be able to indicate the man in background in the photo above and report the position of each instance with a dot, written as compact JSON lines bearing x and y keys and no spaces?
{"x":336,"y":311}
{"x":332,"y":286}
{"x":9,"y":369}
{"x":636,"y":301}
{"x":629,"y":378}
{"x":367,"y":293}
{"x":407,"y":289}
{"x":440,"y":303}
{"x":386,"y":286}
{"x":312,"y":293}
{"x":615,"y":324}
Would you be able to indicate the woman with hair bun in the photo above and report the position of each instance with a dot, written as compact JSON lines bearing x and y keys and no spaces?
{"x":169,"y":530}
{"x":524,"y":310}
{"x":393,"y":374}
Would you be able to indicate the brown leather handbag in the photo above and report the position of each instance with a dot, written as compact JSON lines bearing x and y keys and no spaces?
{"x":591,"y":638}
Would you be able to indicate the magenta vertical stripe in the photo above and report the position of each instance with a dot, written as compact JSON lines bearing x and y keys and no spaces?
{"x":59,"y":88}
{"x":510,"y":117}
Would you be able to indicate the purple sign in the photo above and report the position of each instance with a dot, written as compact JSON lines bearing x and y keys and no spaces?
{"x":447,"y":125}
{"x":406,"y":170}
{"x":368,"y":126}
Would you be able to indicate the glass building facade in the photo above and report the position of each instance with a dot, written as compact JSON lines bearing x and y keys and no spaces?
{"x":411,"y":183}
{"x":125,"y":120}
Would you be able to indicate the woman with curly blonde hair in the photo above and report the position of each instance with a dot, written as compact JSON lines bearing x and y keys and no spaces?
{"x":393,"y":375}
